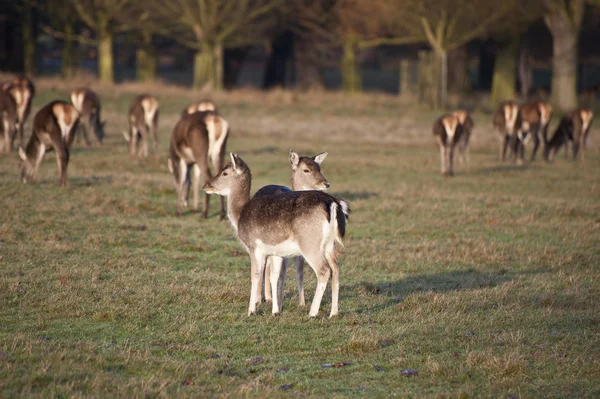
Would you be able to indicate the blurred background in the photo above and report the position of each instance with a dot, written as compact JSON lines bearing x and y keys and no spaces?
{"x":437,"y":52}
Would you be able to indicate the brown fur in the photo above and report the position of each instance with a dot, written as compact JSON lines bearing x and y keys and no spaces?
{"x":143,"y":122}
{"x":53,"y":128}
{"x":23,"y":91}
{"x":87,"y":103}
{"x":447,"y":131}
{"x":506,"y":113}
{"x":8,"y":120}
{"x":574,"y":127}
{"x":201,"y":106}
{"x":466,"y":124}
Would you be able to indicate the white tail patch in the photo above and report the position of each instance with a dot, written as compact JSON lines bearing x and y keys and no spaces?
{"x":77,"y":98}
{"x":510,"y":116}
{"x":66,"y":116}
{"x":450,"y":124}
{"x":216,"y":136}
{"x":150,"y":106}
{"x":586,"y":118}
{"x":206,"y":106}
{"x":545,"y":113}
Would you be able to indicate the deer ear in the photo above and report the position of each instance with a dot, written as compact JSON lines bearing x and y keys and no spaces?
{"x":22,"y":154}
{"x":294,"y":159}
{"x":320,"y":158}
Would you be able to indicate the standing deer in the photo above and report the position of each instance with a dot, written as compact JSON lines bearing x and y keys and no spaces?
{"x":506,"y":121}
{"x":466,"y":124}
{"x":295,"y":223}
{"x":196,"y":139}
{"x":574,"y":126}
{"x":22,"y":90}
{"x":87,"y":103}
{"x":447,"y":131}
{"x":53,"y":128}
{"x":535,"y":118}
{"x":143,"y":121}
{"x":8,"y":119}
{"x":306,"y":175}
{"x":203,"y":105}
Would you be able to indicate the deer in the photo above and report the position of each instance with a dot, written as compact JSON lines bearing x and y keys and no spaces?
{"x":8,"y":118}
{"x":535,"y":118}
{"x":466,"y":124}
{"x":143,"y":122}
{"x":203,"y":105}
{"x":53,"y":128}
{"x":295,"y":223}
{"x":506,"y":121}
{"x":306,"y":175}
{"x":197,"y":139}
{"x":87,"y":103}
{"x":575,"y":127}
{"x":23,"y":91}
{"x":448,"y":132}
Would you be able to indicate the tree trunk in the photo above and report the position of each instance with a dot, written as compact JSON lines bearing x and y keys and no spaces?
{"x":444,"y":79}
{"x":203,"y":68}
{"x":105,"y":58}
{"x":28,"y":40}
{"x":564,"y":60}
{"x":68,"y":67}
{"x":505,"y":70}
{"x":145,"y":59}
{"x":351,"y":81}
{"x":307,"y":64}
{"x":218,"y":66}
{"x":525,"y":72}
{"x":458,"y":71}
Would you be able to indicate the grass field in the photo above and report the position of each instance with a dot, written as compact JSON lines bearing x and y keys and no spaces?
{"x":487,"y":283}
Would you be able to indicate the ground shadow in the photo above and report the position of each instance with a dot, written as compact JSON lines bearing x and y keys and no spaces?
{"x":355,"y":195}
{"x":89,"y":181}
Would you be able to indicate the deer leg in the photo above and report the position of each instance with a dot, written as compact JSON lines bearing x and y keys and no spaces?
{"x":205,"y":171}
{"x":85,"y":126}
{"x":144,"y":137}
{"x":154,"y":137}
{"x":133,"y":139}
{"x":62,"y":160}
{"x":335,"y":278}
{"x":38,"y":161}
{"x":536,"y":144}
{"x":257,"y":261}
{"x":267,"y":285}
{"x":299,"y":264}
{"x":450,"y":154}
{"x":195,"y":172}
{"x":575,"y":149}
{"x":182,"y":185}
{"x":218,"y":165}
{"x":322,"y":270}
{"x":20,"y":130}
{"x":443,"y":159}
{"x":504,"y":145}
{"x":274,"y":276}
{"x":7,"y":141}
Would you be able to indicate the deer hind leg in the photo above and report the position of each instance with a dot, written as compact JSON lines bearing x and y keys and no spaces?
{"x":205,"y":171}
{"x":450,"y":156}
{"x":275,"y":274}
{"x":322,"y":270}
{"x":218,"y":165}
{"x":267,"y":282}
{"x":62,"y":161}
{"x":182,"y":185}
{"x":299,"y":265}
{"x":536,"y":143}
{"x":442,"y":159}
{"x":335,"y":278}
{"x":154,"y":137}
{"x":196,"y":174}
{"x":257,"y":261}
{"x":6,"y":144}
{"x":143,"y":131}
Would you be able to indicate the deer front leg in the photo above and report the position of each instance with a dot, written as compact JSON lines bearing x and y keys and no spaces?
{"x":536,"y":144}
{"x":442,"y":159}
{"x":299,"y":265}
{"x":450,"y":156}
{"x":274,"y":277}
{"x":257,"y":261}
{"x":267,"y":285}
{"x":322,"y":270}
{"x":195,"y":186}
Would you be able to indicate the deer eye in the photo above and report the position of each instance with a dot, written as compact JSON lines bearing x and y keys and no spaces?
{"x":225,"y":173}
{"x":306,"y":171}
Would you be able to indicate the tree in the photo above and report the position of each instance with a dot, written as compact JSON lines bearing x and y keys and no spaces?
{"x":60,"y":21}
{"x":210,"y":26}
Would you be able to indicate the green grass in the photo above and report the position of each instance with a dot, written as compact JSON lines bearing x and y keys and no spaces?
{"x":486,"y":283}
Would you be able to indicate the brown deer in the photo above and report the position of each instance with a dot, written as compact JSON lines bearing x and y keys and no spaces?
{"x":506,"y":121}
{"x":143,"y":122}
{"x":203,"y":105}
{"x":22,"y":90}
{"x":575,"y":127}
{"x":535,"y":118}
{"x":53,"y":128}
{"x":197,"y":139}
{"x":296,"y":223}
{"x":87,"y":103}
{"x":466,"y":124}
{"x":8,"y":118}
{"x":306,"y":175}
{"x":447,"y":131}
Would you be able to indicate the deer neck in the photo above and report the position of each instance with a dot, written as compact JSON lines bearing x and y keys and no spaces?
{"x":236,"y":201}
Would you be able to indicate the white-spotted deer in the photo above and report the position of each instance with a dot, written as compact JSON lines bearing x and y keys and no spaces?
{"x":466,"y":124}
{"x":306,"y":175}
{"x":201,"y":106}
{"x":447,"y":131}
{"x":87,"y":103}
{"x":53,"y":128}
{"x":575,"y":127}
{"x":506,"y":121}
{"x":534,"y":120}
{"x":295,"y":223}
{"x":22,"y":90}
{"x":8,"y":119}
{"x":197,"y":139}
{"x":143,"y":122}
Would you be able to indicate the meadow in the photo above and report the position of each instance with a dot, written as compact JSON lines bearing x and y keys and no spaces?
{"x":486,"y":284}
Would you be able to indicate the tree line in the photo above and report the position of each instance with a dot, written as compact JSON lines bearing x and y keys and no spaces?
{"x":210,"y":27}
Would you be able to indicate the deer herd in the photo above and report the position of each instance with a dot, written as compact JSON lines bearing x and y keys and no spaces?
{"x":277,"y":223}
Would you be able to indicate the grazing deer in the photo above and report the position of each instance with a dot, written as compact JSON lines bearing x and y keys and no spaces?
{"x":466,"y":124}
{"x":447,"y":131}
{"x":143,"y":121}
{"x":196,"y":139}
{"x":53,"y":128}
{"x":506,"y":121}
{"x":306,"y":175}
{"x":535,"y":118}
{"x":574,"y":126}
{"x":296,"y":223}
{"x":8,"y":119}
{"x":203,"y":105}
{"x":87,"y":103}
{"x":22,"y":90}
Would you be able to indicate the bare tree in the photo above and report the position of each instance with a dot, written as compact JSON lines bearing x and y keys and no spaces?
{"x":60,"y":20}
